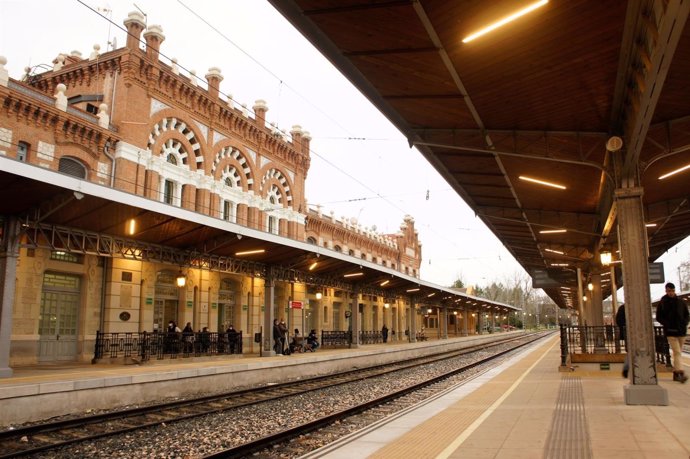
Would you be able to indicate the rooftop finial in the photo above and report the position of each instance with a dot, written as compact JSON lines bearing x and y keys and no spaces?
{"x":95,"y":53}
{"x":61,"y":98}
{"x":4,"y":75}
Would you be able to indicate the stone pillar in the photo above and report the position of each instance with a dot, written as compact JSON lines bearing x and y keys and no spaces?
{"x":580,"y":301}
{"x":267,"y":334}
{"x":632,"y":237}
{"x":413,"y":320}
{"x":188,"y":197}
{"x":465,"y":319}
{"x":203,"y":202}
{"x":444,"y":312}
{"x":8,"y":276}
{"x":354,"y":316}
{"x":595,"y":301}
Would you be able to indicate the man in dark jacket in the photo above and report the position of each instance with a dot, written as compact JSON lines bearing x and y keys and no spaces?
{"x":672,"y":313}
{"x":620,"y":322}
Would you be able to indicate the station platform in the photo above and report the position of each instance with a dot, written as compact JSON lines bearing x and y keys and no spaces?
{"x":39,"y":392}
{"x":526,"y":408}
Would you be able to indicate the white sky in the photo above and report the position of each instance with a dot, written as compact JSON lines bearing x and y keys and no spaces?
{"x":377,"y":180}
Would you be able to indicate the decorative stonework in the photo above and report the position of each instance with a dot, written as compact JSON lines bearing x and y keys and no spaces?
{"x":5,"y":138}
{"x":217,"y":137}
{"x":103,"y":171}
{"x":46,"y":151}
{"x":203,"y":128}
{"x":278,"y":176}
{"x":234,"y":153}
{"x":157,"y":106}
{"x":173,"y":124}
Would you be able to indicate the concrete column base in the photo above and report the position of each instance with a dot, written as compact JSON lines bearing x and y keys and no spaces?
{"x":354,"y":346}
{"x":645,"y":395}
{"x":6,"y":372}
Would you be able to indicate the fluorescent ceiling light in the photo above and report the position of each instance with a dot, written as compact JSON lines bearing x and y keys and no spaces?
{"x":384,"y":283}
{"x":505,"y":20}
{"x":541,"y":182}
{"x":131,"y":226}
{"x":559,"y":264}
{"x":431,"y":294}
{"x":650,"y":225}
{"x":554,"y":251}
{"x":249,"y":252}
{"x":553,"y":231}
{"x":675,"y":172}
{"x":313,"y":265}
{"x":412,"y":290}
{"x":354,"y":274}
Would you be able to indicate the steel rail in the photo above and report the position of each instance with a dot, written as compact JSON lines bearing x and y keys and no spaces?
{"x":49,"y":436}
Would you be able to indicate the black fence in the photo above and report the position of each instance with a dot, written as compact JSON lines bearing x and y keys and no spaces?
{"x":336,"y":338}
{"x":145,"y":345}
{"x":606,"y":339}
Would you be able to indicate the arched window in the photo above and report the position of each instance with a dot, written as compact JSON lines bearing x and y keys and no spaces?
{"x":73,"y":167}
{"x":311,"y":240}
{"x":351,"y":253}
{"x":337,"y":248}
{"x":171,"y":159}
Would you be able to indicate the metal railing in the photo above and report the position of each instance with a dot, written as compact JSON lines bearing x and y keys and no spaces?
{"x":146,"y":345}
{"x":335,"y":338}
{"x":605,"y":339}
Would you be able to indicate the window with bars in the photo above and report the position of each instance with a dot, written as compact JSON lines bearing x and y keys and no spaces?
{"x":59,"y":255}
{"x":71,"y":166}
{"x":23,"y":151}
{"x":169,"y":192}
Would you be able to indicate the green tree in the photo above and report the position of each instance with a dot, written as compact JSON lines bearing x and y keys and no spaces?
{"x":458,"y":283}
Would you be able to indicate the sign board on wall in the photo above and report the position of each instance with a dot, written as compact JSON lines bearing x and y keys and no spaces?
{"x":296,"y":304}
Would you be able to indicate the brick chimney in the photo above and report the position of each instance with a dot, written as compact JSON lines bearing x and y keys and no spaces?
{"x":306,"y":140}
{"x":154,"y":37}
{"x":296,"y":133}
{"x":214,"y":78}
{"x":135,"y":25}
{"x":260,"y":108}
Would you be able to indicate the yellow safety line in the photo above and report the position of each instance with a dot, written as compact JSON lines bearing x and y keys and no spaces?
{"x":470,"y":430}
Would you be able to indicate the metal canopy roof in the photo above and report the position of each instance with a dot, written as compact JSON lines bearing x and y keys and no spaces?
{"x":540,"y":98}
{"x":58,"y":211}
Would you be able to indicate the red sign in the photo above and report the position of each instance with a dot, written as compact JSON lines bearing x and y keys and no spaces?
{"x":296,"y":304}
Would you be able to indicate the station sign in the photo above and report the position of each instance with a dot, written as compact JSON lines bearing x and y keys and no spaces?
{"x":296,"y":304}
{"x":656,"y":273}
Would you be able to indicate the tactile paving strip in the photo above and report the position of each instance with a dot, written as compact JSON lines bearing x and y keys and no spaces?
{"x":569,"y":436}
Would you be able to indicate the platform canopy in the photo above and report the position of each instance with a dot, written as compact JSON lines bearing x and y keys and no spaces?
{"x":592,"y":96}
{"x":64,"y":213}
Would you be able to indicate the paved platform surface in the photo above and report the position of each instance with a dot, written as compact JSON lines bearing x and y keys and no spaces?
{"x":526,"y":408}
{"x":36,"y":392}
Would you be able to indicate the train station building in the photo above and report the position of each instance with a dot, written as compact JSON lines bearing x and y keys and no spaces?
{"x":137,"y":195}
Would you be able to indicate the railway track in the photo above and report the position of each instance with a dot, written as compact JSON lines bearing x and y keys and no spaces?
{"x":379,"y":407}
{"x":50,"y":436}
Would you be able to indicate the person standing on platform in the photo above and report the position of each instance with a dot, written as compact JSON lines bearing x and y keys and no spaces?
{"x":620,"y":322}
{"x":384,"y":333}
{"x":232,"y":338}
{"x":672,"y":313}
{"x":283,"y":334}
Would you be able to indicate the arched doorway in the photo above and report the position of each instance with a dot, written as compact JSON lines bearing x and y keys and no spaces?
{"x":57,"y":325}
{"x":228,"y":312}
{"x":167,"y":300}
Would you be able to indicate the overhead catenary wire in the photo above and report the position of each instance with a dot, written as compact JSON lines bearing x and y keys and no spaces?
{"x":281,"y":81}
